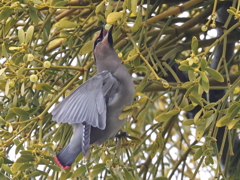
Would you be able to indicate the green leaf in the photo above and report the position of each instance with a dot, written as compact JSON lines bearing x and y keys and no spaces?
{"x":29,"y":34}
{"x":79,"y":157}
{"x":19,"y":147}
{"x":54,"y":167}
{"x":231,"y":124}
{"x":185,"y":67}
{"x":108,"y":10}
{"x":132,"y":53}
{"x":223,"y":121}
{"x":142,"y":69}
{"x":195,"y":92}
{"x":204,"y":85}
{"x":233,"y":106}
{"x":113,"y":17}
{"x":87,"y":48}
{"x":44,"y":161}
{"x":191,"y":75}
{"x":26,"y":152}
{"x":10,"y":23}
{"x":99,"y":7}
{"x":2,"y":84}
{"x":65,"y":175}
{"x":160,"y":140}
{"x":33,"y":14}
{"x":200,"y":129}
{"x":203,"y":64}
{"x":79,"y":171}
{"x":2,"y":70}
{"x":231,"y":12}
{"x":21,"y":35}
{"x":141,"y":86}
{"x":189,"y":91}
{"x":134,"y":4}
{"x":39,"y":2}
{"x":61,"y":4}
{"x":194,"y":45}
{"x":215,"y":75}
{"x":97,"y":169}
{"x":2,"y":121}
{"x":17,"y":58}
{"x":195,"y":100}
{"x":46,"y":30}
{"x":187,"y":84}
{"x":210,"y":105}
{"x":197,"y":115}
{"x":37,"y":173}
{"x":153,"y":149}
{"x":198,"y":154}
{"x":7,"y":161}
{"x":7,"y":169}
{"x":234,"y":113}
{"x":207,"y":114}
{"x":138,"y":22}
{"x":66,"y":24}
{"x":20,"y":72}
{"x":25,"y":166}
{"x":4,"y":50}
{"x":10,"y":115}
{"x":1,"y":161}
{"x":125,"y":114}
{"x":128,"y":175}
{"x":203,"y":76}
{"x":25,"y":158}
{"x":3,"y":177}
{"x":71,"y":41}
{"x":188,"y":122}
{"x":22,"y":89}
{"x":196,"y":146}
{"x":166,"y":116}
{"x":209,"y":159}
{"x":6,"y":12}
{"x":44,"y":86}
{"x":15,"y":99}
{"x":189,"y":107}
{"x":184,"y":103}
{"x":20,"y":111}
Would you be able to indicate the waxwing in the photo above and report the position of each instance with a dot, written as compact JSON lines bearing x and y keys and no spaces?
{"x":94,"y":107}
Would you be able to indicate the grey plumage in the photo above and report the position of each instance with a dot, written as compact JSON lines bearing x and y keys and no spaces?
{"x":94,"y":107}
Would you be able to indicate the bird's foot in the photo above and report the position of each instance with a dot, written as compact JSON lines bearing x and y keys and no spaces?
{"x":123,"y":134}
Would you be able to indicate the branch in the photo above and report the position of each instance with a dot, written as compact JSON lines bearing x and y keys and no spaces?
{"x":213,"y":84}
{"x":173,"y":11}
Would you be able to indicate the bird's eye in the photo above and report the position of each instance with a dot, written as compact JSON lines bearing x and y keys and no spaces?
{"x":98,"y":40}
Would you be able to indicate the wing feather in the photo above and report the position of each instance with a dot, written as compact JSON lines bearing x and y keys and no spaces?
{"x":88,"y":102}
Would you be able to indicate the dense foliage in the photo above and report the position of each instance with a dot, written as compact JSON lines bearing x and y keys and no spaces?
{"x":168,"y":46}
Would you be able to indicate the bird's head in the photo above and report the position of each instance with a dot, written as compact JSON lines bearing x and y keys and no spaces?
{"x":103,"y":44}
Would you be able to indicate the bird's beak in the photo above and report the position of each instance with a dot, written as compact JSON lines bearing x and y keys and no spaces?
{"x":104,"y":37}
{"x":101,"y":36}
{"x":109,"y":37}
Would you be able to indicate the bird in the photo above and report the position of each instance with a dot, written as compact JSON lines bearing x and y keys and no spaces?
{"x":94,"y":107}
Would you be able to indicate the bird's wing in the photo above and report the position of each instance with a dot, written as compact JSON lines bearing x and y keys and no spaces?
{"x":87,"y":104}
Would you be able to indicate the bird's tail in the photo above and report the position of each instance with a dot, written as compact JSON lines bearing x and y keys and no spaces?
{"x":67,"y":155}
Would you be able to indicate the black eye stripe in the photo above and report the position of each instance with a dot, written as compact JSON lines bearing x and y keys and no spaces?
{"x":98,"y":40}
